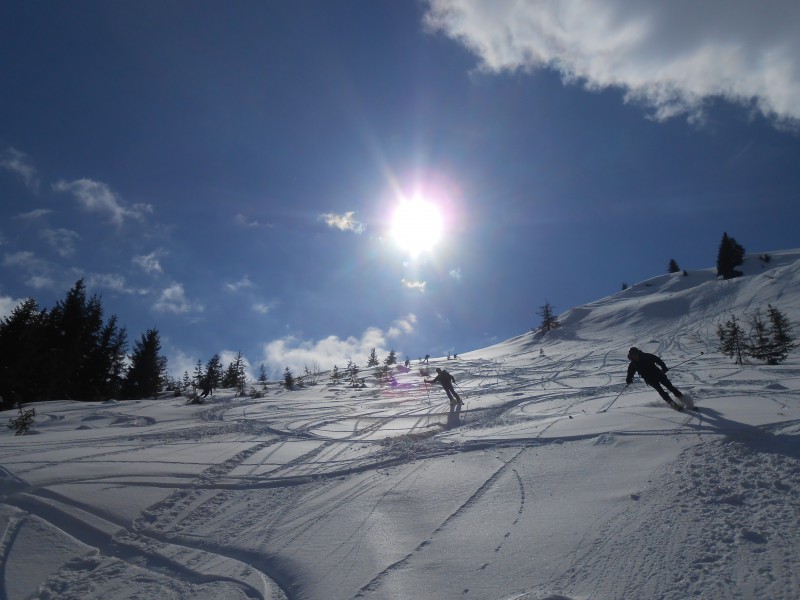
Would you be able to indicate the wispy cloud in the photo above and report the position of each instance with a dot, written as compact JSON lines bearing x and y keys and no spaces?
{"x":261,"y":307}
{"x":455,"y":273}
{"x":343,"y":222}
{"x":149,"y":262}
{"x":34,"y":214}
{"x":111,"y":281}
{"x":62,"y":240}
{"x":245,"y":221}
{"x":402,"y":326}
{"x":414,"y":285}
{"x":672,"y":56}
{"x":95,"y":196}
{"x":237,"y":286}
{"x":18,"y":162}
{"x":173,"y":300}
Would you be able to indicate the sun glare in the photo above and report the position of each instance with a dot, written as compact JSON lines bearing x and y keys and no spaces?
{"x":417,"y":226}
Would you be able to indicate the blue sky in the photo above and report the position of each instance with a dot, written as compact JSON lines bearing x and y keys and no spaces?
{"x":228,"y":172}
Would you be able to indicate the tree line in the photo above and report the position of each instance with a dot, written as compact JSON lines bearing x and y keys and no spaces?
{"x":72,"y":351}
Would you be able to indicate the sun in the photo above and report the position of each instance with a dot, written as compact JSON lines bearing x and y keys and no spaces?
{"x":417,"y":226}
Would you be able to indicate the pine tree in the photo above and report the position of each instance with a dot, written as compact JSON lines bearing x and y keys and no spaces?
{"x":391,"y":359}
{"x":549,"y":320}
{"x":23,"y":352}
{"x":373,"y":359}
{"x":759,"y":346}
{"x":730,"y":255}
{"x":214,"y":371}
{"x":673,"y":266}
{"x":235,"y":375}
{"x":262,"y":376}
{"x":288,"y":379}
{"x":198,"y":375}
{"x":336,"y":375}
{"x":187,"y":381}
{"x":148,"y":370}
{"x":732,"y":339}
{"x":780,"y":336}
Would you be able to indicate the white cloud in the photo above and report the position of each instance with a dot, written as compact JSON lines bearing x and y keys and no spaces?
{"x":23,"y":259}
{"x":110,"y":281}
{"x":237,"y":286}
{"x":672,"y":56}
{"x":262,"y":308}
{"x":17,"y":162}
{"x":95,"y":196}
{"x":297,"y":354}
{"x":245,"y":221}
{"x":402,"y":326}
{"x":34,"y":214}
{"x":62,"y":240}
{"x":149,"y":262}
{"x":7,"y":304}
{"x":345,"y":222}
{"x":455,"y":273}
{"x":414,"y":285}
{"x":173,"y":300}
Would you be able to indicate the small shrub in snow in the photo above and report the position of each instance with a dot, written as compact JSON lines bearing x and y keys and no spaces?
{"x":23,"y":422}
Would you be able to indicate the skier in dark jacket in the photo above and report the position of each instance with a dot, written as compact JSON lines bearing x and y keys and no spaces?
{"x":647,"y":365}
{"x":447,"y":381}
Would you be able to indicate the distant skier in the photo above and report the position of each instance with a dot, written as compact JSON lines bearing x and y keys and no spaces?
{"x":647,"y":365}
{"x":446,"y":380}
{"x":427,"y":356}
{"x":207,"y":388}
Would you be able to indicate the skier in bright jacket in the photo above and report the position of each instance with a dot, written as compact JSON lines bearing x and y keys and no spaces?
{"x":647,"y":365}
{"x":447,"y":381}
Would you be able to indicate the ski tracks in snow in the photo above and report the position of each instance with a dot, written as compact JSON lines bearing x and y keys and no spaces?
{"x":707,"y":517}
{"x":374,"y":584}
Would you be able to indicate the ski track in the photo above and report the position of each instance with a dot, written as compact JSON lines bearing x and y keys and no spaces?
{"x":375,"y":582}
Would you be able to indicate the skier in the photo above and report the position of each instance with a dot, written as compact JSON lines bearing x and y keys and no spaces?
{"x":447,"y":381}
{"x":647,"y":366}
{"x":207,"y":388}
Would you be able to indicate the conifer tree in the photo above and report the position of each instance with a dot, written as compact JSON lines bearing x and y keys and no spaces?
{"x":262,"y":376}
{"x":780,"y":336}
{"x":730,"y":255}
{"x":214,"y":371}
{"x":148,"y":370}
{"x":391,"y":359}
{"x":759,"y":345}
{"x":288,"y":379}
{"x":373,"y":359}
{"x":198,"y":374}
{"x":549,"y":320}
{"x":732,"y":339}
{"x":673,"y":266}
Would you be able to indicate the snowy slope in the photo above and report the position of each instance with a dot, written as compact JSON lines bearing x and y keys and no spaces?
{"x":531,"y":491}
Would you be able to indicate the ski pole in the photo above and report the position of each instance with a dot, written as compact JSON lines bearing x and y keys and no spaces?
{"x":687,"y":360}
{"x":615,"y":399}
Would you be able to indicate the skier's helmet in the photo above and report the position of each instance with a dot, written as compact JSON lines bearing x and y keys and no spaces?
{"x":633,"y":353}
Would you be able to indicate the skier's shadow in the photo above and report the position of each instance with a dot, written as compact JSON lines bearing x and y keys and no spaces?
{"x":758,"y":438}
{"x":453,"y":417}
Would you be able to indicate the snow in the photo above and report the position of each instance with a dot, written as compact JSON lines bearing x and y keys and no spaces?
{"x":530,"y":491}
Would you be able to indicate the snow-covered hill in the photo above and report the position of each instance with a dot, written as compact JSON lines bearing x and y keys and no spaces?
{"x":530,"y":491}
